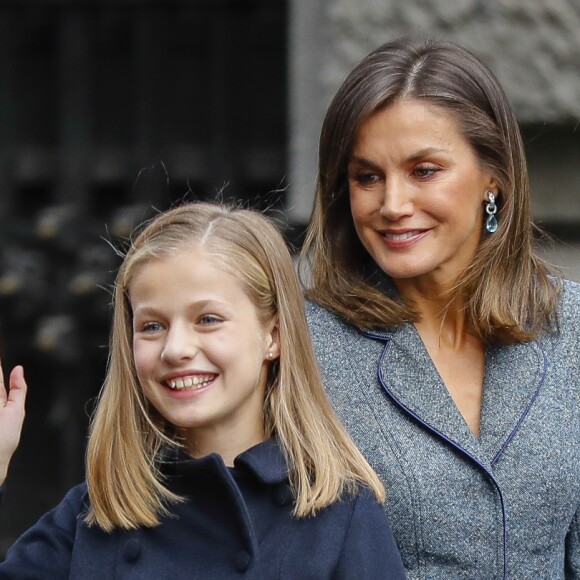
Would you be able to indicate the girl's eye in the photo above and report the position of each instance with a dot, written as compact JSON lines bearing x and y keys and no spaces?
{"x":150,"y":327}
{"x":209,"y":320}
{"x":425,"y":170}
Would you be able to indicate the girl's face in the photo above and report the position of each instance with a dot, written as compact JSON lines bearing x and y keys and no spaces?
{"x":200,"y":352}
{"x":417,"y":193}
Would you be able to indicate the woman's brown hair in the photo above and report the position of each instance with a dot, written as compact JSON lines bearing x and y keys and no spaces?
{"x":507,"y":290}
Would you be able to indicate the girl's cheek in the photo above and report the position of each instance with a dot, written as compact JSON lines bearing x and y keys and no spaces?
{"x":141,"y":359}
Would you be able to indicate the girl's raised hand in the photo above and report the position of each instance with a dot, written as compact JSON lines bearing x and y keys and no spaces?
{"x":11,"y":416}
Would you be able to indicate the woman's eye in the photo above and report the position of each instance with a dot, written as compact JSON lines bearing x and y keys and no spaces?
{"x":425,"y":170}
{"x":365,"y":177}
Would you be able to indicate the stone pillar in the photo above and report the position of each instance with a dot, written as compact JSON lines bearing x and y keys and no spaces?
{"x":306,"y":41}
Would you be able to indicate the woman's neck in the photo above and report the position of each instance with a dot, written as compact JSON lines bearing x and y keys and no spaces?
{"x":440,"y":315}
{"x":457,"y":354}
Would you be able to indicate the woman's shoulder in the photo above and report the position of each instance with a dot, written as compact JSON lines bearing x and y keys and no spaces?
{"x":329,"y":332}
{"x":321,"y":317}
{"x":564,"y":334}
{"x":569,"y":306}
{"x":571,"y":292}
{"x":316,"y":312}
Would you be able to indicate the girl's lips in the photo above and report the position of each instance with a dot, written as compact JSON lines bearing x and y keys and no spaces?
{"x":188,"y":392}
{"x":194,"y":381}
{"x":403,"y":239}
{"x":188,"y":384}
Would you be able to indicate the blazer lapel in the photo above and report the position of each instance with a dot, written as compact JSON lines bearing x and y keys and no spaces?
{"x":410,"y":378}
{"x":513,"y":379}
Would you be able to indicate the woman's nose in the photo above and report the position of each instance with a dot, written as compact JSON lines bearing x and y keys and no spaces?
{"x":397,"y":200}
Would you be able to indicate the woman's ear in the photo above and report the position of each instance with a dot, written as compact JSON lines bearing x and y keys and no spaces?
{"x":492,"y":187}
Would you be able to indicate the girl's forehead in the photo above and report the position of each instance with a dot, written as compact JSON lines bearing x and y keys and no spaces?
{"x":153,"y":254}
{"x":192,"y":266}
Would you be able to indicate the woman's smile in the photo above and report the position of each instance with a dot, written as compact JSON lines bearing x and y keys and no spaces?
{"x":417,"y":192}
{"x":403,"y":239}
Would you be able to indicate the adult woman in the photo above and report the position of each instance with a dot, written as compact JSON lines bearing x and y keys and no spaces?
{"x":213,"y":451}
{"x":448,"y":351}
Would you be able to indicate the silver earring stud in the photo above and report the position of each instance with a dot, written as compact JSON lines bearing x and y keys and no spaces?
{"x":491,"y":224}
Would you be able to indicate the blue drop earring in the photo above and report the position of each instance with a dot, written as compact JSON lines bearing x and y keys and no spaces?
{"x":491,"y":209}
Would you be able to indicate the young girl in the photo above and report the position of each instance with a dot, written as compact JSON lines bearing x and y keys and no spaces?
{"x":213,"y":452}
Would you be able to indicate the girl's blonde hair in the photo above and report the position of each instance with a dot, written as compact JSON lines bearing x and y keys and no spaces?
{"x":510,"y":297}
{"x":127,"y":435}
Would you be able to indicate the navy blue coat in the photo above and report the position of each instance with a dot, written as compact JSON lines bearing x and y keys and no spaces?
{"x":237,"y":523}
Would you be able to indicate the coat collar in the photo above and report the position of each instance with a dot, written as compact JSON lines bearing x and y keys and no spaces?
{"x":265,"y":461}
{"x":513,"y":378}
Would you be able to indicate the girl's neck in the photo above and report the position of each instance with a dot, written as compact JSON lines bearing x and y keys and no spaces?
{"x":202,"y":442}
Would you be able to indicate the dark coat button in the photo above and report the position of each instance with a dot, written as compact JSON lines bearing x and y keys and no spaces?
{"x":132,"y":551}
{"x":242,"y":562}
{"x":282,"y":495}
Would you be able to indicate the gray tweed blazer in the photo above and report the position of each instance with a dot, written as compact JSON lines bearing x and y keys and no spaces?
{"x":504,"y":505}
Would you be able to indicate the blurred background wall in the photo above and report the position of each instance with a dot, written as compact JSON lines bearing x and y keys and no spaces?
{"x":113,"y":109}
{"x":109,"y":111}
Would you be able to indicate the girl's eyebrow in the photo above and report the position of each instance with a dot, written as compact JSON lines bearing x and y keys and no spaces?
{"x":148,"y":309}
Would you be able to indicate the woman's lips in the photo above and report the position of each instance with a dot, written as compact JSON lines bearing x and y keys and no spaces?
{"x":402,"y":239}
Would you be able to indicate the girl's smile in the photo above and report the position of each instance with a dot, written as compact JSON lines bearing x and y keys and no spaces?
{"x":200,"y":351}
{"x":190,"y":381}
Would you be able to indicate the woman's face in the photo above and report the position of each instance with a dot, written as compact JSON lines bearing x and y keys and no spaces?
{"x":417,"y":193}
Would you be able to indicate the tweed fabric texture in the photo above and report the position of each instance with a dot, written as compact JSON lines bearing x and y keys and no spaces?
{"x":503,"y":505}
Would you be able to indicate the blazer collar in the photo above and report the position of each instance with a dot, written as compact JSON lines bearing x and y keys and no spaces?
{"x":514,"y":376}
{"x":512,"y":380}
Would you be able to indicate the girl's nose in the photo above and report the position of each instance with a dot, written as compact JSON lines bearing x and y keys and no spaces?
{"x":180,"y":344}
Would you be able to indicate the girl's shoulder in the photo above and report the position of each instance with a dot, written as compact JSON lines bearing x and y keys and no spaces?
{"x":68,"y":513}
{"x":49,"y":540}
{"x":368,"y":548}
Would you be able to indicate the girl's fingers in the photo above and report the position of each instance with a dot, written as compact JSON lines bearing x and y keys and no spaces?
{"x":18,"y":387}
{"x":3,"y":393}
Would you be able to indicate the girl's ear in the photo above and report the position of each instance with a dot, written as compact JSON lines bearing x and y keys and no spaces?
{"x":273,"y":342}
